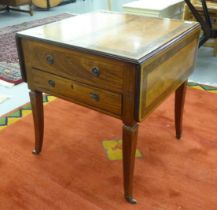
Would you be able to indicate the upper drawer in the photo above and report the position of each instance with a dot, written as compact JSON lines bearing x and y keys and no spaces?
{"x":89,"y":69}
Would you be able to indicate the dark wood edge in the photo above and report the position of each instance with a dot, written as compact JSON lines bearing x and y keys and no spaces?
{"x":137,"y":91}
{"x":21,"y":58}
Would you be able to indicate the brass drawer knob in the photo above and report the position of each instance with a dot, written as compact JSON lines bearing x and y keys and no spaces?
{"x":51,"y":83}
{"x":50,"y":59}
{"x":95,"y":71}
{"x":94,"y":96}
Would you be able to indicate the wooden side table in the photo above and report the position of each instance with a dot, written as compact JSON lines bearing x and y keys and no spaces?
{"x":120,"y":65}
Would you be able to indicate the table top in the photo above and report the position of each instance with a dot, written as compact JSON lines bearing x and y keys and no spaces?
{"x":126,"y":37}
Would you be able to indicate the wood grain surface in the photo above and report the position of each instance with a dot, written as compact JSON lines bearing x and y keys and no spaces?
{"x":82,"y":93}
{"x":162,"y":74}
{"x":128,"y":37}
{"x":77,"y":66}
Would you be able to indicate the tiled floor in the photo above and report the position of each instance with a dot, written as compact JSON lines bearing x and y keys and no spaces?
{"x":206,"y":68}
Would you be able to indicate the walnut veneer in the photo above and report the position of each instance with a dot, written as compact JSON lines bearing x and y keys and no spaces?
{"x":121,"y":65}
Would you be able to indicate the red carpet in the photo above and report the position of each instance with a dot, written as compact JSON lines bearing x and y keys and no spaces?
{"x":74,"y":173}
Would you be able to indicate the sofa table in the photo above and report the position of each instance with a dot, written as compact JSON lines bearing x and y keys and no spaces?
{"x":121,"y":65}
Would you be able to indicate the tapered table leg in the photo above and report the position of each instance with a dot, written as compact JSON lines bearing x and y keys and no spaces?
{"x":38,"y":118}
{"x":129,"y":149}
{"x":179,"y":108}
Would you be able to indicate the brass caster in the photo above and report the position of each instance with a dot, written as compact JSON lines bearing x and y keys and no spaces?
{"x":131,"y":200}
{"x":178,"y":136}
{"x":35,"y":152}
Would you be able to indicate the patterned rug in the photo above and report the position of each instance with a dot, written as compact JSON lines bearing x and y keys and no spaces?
{"x":9,"y":67}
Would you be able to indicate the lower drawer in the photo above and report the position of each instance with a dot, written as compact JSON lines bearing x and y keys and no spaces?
{"x":78,"y":92}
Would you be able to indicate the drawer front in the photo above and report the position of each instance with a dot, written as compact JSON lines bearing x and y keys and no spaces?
{"x":82,"y":67}
{"x":80,"y":93}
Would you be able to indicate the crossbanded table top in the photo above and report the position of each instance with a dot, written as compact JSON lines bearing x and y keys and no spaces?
{"x":126,"y":37}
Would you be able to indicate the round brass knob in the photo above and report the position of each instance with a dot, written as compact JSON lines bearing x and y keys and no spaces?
{"x":95,"y":71}
{"x":50,"y":59}
{"x":51,"y":83}
{"x":94,"y":96}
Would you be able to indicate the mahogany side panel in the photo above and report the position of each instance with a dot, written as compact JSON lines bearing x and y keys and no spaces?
{"x":163,"y":74}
